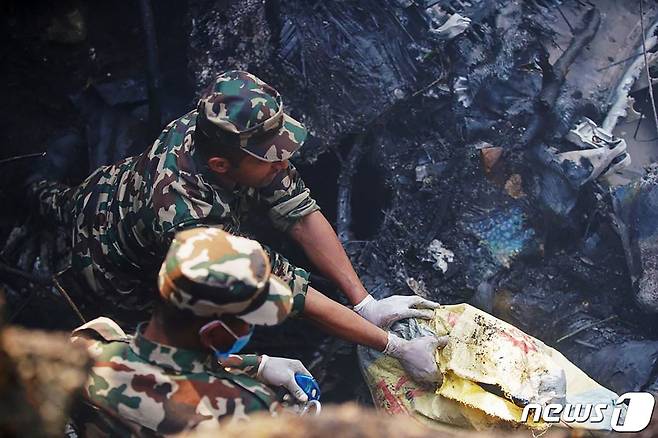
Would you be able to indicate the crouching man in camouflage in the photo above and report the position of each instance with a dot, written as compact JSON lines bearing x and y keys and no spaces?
{"x":214,"y":287}
{"x":217,"y":165}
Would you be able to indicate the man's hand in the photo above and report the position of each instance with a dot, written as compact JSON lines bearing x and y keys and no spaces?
{"x":279,"y":371}
{"x":417,"y":356}
{"x":385,"y":312}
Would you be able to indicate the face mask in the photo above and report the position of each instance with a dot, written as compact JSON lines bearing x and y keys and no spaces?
{"x":236,"y":347}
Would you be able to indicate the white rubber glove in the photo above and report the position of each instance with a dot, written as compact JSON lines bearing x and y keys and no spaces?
{"x":385,"y":312}
{"x":279,"y":371}
{"x":417,"y":356}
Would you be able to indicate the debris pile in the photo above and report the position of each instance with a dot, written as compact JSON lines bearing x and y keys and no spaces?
{"x":481,"y":141}
{"x":466,"y":152}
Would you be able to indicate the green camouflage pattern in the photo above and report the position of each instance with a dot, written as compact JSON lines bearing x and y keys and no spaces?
{"x":164,"y":389}
{"x":211,"y":273}
{"x":124,"y":217}
{"x":246,"y":364}
{"x":240,"y":110}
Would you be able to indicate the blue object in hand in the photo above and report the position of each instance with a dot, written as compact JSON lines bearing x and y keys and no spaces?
{"x":308,"y":385}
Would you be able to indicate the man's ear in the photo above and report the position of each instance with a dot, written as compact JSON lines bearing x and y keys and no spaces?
{"x":219,"y":164}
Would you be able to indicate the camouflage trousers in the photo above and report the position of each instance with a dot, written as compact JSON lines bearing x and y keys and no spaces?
{"x":110,"y":287}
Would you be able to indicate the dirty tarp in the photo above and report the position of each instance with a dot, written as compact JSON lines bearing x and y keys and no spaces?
{"x":490,"y":370}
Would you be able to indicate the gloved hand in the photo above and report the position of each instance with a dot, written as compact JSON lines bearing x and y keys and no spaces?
{"x":279,"y":371}
{"x":417,"y":356}
{"x":385,"y":312}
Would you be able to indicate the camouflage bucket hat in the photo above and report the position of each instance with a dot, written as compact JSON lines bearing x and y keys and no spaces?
{"x":212,"y":273}
{"x":242,"y":111}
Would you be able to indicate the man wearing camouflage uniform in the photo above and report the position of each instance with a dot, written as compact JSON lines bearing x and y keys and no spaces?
{"x":164,"y":378}
{"x":215,"y":166}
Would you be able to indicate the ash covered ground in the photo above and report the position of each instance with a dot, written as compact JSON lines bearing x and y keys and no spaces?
{"x":432,"y":151}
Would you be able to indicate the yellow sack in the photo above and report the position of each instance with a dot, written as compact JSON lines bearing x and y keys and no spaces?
{"x":490,"y":369}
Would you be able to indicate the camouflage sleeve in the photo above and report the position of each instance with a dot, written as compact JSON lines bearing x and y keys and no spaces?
{"x":245,"y":364}
{"x":287,"y":198}
{"x":295,"y":277}
{"x":97,"y":331}
{"x":104,"y":327}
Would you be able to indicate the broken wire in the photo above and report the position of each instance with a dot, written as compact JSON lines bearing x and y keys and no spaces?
{"x":646,"y":66}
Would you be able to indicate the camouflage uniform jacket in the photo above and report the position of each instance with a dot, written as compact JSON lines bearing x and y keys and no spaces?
{"x":125,"y":216}
{"x":164,"y":389}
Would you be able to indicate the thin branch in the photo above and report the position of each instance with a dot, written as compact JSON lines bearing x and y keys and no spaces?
{"x":22,"y":157}
{"x":582,"y":37}
{"x":347,"y":171}
{"x":585,"y":327}
{"x":554,"y":77}
{"x":586,"y":344}
{"x":23,"y":305}
{"x":153,"y":66}
{"x":40,"y":281}
{"x":427,"y":87}
{"x":68,"y":299}
{"x":31,"y":278}
{"x":619,"y":62}
{"x":646,"y":67}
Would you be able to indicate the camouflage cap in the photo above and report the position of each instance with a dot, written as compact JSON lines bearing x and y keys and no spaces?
{"x":213,"y":273}
{"x":242,"y":111}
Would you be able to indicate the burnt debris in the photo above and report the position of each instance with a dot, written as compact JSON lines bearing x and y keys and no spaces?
{"x":435,"y":127}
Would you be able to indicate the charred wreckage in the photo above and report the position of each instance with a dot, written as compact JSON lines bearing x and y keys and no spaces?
{"x":495,"y":152}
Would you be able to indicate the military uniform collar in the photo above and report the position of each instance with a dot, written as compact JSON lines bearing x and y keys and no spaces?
{"x":165,"y":356}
